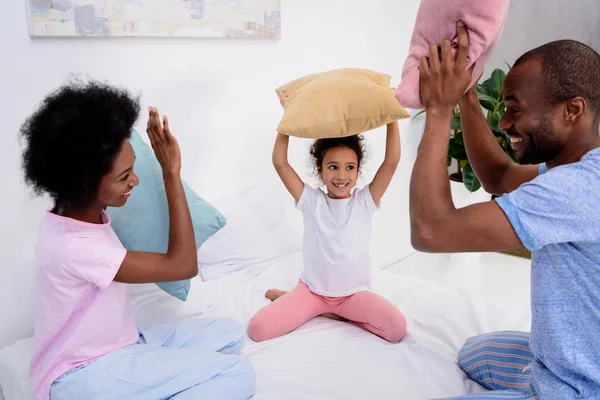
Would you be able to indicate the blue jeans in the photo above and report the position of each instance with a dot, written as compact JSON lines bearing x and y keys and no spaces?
{"x":192,"y":359}
{"x":500,"y":362}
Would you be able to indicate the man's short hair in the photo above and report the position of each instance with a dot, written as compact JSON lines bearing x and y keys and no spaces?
{"x":569,"y":69}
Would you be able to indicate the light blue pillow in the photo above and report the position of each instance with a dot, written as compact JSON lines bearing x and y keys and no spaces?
{"x":143,"y":223}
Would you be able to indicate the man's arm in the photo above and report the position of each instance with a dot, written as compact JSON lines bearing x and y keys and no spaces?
{"x":497,"y":173}
{"x":434,"y":219}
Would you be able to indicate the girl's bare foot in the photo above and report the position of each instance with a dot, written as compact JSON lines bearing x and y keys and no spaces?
{"x":274,"y":294}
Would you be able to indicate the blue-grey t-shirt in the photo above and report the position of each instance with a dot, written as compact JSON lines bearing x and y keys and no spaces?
{"x":557,"y":217}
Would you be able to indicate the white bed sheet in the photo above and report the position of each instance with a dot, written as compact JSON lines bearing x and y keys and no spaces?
{"x":327,"y":359}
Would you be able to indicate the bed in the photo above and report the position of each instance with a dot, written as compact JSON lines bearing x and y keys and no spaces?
{"x":326,"y":359}
{"x":322,"y":359}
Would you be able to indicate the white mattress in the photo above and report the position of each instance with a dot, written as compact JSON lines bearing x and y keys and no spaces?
{"x":327,"y":359}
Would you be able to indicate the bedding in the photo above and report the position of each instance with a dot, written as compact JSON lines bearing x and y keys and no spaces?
{"x":326,"y":359}
{"x":258,"y":230}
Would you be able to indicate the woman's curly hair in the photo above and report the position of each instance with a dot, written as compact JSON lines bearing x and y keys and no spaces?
{"x":72,"y":139}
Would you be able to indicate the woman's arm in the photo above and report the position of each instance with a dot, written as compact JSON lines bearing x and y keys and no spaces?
{"x":180,"y":261}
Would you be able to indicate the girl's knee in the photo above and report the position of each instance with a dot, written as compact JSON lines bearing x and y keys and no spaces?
{"x":259,"y":329}
{"x":397,"y":329}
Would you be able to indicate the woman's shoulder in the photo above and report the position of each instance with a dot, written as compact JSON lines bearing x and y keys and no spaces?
{"x":63,"y":238}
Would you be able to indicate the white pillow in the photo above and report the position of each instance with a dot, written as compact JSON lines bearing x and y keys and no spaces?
{"x":258,"y":229}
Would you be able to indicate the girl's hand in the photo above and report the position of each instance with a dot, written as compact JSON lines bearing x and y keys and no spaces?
{"x":163,"y":142}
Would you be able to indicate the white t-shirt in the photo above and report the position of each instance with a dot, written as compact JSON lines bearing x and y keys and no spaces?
{"x":337,"y":236}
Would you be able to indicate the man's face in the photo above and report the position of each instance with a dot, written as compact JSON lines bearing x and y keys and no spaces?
{"x":528,"y":120}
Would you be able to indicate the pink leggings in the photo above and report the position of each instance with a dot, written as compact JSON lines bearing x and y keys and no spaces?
{"x":365,"y":309}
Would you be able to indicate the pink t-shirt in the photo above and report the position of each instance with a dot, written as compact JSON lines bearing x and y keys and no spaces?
{"x":81,"y":314}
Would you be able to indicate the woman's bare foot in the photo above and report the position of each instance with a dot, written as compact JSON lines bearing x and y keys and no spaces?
{"x":274,"y":294}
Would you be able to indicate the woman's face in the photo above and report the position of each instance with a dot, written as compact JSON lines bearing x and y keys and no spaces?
{"x":115,"y":187}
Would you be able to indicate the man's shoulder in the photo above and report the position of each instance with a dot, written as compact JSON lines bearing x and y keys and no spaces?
{"x":570,"y":186}
{"x":584,"y":174}
{"x":592,"y":157}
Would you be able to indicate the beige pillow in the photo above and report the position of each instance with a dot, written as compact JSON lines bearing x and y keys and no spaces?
{"x":338,"y":103}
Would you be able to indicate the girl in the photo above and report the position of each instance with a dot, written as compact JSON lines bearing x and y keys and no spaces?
{"x":337,"y":228}
{"x":86,"y":345}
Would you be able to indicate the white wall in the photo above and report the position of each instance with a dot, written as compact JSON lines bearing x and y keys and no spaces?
{"x":219,"y":95}
{"x":531,"y":23}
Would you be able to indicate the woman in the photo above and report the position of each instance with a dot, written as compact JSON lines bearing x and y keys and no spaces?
{"x":86,"y":342}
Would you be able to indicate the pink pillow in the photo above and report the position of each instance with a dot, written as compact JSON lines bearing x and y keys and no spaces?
{"x":436,"y":21}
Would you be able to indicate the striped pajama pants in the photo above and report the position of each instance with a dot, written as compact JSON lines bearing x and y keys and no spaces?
{"x":500,"y":362}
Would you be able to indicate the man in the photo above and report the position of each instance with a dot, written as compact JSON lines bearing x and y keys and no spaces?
{"x":552,"y":97}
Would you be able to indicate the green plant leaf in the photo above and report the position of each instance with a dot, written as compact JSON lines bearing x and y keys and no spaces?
{"x":486,"y":87}
{"x":456,"y":150}
{"x":469,"y":179}
{"x":458,"y":138}
{"x":487,"y":102}
{"x":449,"y":161}
{"x":456,"y":124}
{"x":419,"y":113}
{"x":501,"y":108}
{"x":487,"y":105}
{"x":508,"y":65}
{"x":463,"y":163}
{"x":497,"y":81}
{"x":493,"y":122}
{"x":488,"y":98}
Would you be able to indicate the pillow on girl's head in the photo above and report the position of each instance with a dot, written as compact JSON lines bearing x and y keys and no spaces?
{"x":337,"y":103}
{"x":142,"y":224}
{"x":436,"y":21}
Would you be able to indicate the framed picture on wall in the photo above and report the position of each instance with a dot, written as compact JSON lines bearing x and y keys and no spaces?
{"x":155,"y":18}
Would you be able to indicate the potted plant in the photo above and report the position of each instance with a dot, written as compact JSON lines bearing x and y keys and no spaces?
{"x":490,"y":98}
